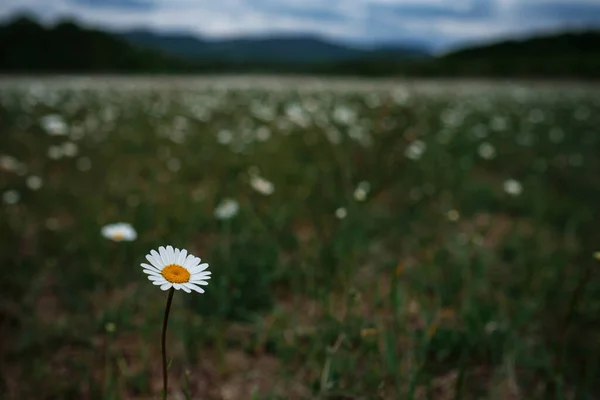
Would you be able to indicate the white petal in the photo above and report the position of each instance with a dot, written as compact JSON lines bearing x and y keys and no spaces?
{"x":194,"y":287}
{"x":170,"y":254}
{"x":151,"y":272}
{"x":186,"y":289}
{"x":199,"y":282}
{"x":156,"y":263}
{"x":176,"y":255}
{"x":156,"y":278}
{"x":200,"y":278}
{"x":150,"y":267}
{"x":190,"y":258}
{"x":159,"y":282}
{"x":155,"y":259}
{"x":194,"y":263}
{"x":177,"y":286}
{"x":181,"y":259}
{"x":166,"y":286}
{"x":201,"y":275}
{"x":163,"y":255}
{"x":199,"y":268}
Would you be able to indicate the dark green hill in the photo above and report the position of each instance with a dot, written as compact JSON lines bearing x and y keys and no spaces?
{"x":26,"y":46}
{"x":290,"y":49}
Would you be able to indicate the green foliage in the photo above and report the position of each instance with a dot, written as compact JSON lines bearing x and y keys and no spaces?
{"x":440,"y":280}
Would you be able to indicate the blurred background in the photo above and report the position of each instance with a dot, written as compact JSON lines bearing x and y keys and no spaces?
{"x":398,"y":199}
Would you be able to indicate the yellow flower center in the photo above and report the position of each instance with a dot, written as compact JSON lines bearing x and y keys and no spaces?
{"x":118,"y":236}
{"x":175,"y":274}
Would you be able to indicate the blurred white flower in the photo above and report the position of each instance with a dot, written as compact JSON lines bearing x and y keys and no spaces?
{"x":499,"y":123}
{"x":119,"y":232}
{"x":341,"y":213}
{"x":361,"y":191}
{"x":486,"y":151}
{"x":11,"y":197}
{"x":453,"y":215}
{"x":297,"y":115}
{"x":344,"y":115}
{"x":84,"y":164}
{"x":54,"y":125}
{"x":333,"y":135}
{"x":55,"y":152}
{"x":513,"y":187}
{"x":262,"y":185}
{"x":174,"y":164}
{"x":263,"y":133}
{"x":228,"y":208}
{"x":34,"y":182}
{"x":9,"y":163}
{"x":69,"y":149}
{"x":224,"y":137}
{"x":415,"y":150}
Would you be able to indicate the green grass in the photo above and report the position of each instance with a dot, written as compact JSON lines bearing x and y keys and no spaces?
{"x":438,"y":284}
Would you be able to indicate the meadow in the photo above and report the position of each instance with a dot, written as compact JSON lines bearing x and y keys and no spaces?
{"x":367,"y":239}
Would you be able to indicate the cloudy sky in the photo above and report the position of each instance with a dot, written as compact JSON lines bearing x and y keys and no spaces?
{"x":439,"y":23}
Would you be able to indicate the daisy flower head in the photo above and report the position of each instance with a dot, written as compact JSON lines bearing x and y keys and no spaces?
{"x":173,"y":268}
{"x":119,"y":232}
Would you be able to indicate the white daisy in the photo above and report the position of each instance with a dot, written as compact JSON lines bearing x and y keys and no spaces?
{"x":174,"y":268}
{"x":119,"y":232}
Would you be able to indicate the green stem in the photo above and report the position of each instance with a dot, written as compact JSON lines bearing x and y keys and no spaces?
{"x":163,"y":342}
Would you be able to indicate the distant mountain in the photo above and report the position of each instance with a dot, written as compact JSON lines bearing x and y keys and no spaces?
{"x":578,"y":43}
{"x":566,"y":55}
{"x":276,"y":49}
{"x":29,"y":47}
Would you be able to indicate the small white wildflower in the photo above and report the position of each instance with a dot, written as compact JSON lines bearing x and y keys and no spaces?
{"x":54,"y":125}
{"x":69,"y":149}
{"x":173,"y":268}
{"x":224,"y":137}
{"x":263,"y":133}
{"x":361,"y":191}
{"x":34,"y":182}
{"x":11,"y":197}
{"x":227,"y":209}
{"x":84,"y":164}
{"x":55,"y":152}
{"x":486,"y":151}
{"x":499,"y":124}
{"x":453,"y":215}
{"x":174,"y":164}
{"x":119,"y":232}
{"x":262,"y":185}
{"x":513,"y":187}
{"x":341,"y":213}
{"x":9,"y":163}
{"x":415,"y":150}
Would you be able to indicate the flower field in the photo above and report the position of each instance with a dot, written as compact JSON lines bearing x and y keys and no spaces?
{"x":366,"y":239}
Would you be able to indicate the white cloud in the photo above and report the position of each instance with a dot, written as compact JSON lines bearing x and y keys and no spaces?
{"x":345,"y":19}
